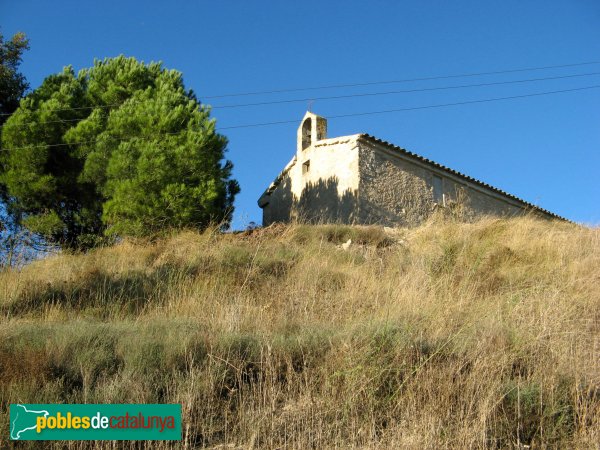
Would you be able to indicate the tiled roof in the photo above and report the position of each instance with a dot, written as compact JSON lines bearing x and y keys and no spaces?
{"x":412,"y":155}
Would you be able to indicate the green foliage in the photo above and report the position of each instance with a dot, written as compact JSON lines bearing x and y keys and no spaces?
{"x":12,"y":87}
{"x":118,"y":149}
{"x":12,"y":83}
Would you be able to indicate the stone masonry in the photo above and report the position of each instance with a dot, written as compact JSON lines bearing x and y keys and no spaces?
{"x":359,"y":179}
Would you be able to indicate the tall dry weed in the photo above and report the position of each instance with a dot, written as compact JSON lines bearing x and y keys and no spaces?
{"x":449,"y":335}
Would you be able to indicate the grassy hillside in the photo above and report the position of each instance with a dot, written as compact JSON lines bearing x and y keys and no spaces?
{"x":448,"y":335}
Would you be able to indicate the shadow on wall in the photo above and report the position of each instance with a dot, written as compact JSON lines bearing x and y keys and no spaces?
{"x":319,"y":202}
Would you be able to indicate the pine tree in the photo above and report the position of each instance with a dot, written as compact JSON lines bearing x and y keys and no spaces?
{"x":119,"y":149}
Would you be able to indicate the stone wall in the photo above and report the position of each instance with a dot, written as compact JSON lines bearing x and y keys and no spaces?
{"x":279,"y":203}
{"x":392,"y":191}
{"x":397,"y":190}
{"x":319,"y":185}
{"x":359,"y":179}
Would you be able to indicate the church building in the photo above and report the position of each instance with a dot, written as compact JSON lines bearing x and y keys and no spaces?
{"x":360,"y":179}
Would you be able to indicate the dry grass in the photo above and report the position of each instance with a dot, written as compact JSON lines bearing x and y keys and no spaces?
{"x":482,"y":335}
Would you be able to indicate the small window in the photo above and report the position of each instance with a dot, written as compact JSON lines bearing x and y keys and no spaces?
{"x":305,"y":167}
{"x":438,"y":192}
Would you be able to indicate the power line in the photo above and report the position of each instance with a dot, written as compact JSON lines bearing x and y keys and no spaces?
{"x":371,"y":83}
{"x":405,"y":91}
{"x":463,"y":86}
{"x":469,"y":102}
{"x":443,"y":105}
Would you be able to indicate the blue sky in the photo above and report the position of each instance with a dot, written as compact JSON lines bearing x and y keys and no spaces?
{"x":543,"y":149}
